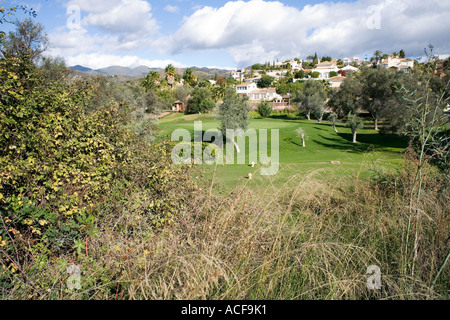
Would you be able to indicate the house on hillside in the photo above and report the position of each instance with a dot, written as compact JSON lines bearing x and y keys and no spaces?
{"x":178,"y":106}
{"x":397,"y":63}
{"x":268,"y":94}
{"x":349,"y":61}
{"x":325,"y":68}
{"x":294,"y":65}
{"x":238,"y":75}
{"x":246,"y":88}
{"x":348,"y":70}
{"x":336,"y":82}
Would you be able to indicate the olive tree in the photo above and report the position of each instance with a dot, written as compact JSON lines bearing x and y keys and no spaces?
{"x":354,"y":123}
{"x":233,"y":114}
{"x":311,"y":99}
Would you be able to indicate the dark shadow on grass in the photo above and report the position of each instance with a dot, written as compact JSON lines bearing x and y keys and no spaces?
{"x":338,"y":144}
{"x":293,"y":142}
{"x":286,"y":117}
{"x":321,"y":127}
{"x":366,"y":142}
{"x":379,"y":140}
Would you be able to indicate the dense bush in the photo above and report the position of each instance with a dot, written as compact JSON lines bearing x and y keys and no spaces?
{"x":265,"y":109}
{"x":66,"y":165}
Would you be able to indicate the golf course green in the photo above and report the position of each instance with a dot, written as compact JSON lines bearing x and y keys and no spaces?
{"x":327,"y":153}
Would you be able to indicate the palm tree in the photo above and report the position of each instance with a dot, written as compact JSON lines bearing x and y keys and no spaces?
{"x":189,"y":77}
{"x":170,"y":74}
{"x":170,"y":77}
{"x":377,"y":57}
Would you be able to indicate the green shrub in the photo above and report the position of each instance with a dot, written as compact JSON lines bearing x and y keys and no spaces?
{"x":265,"y":109}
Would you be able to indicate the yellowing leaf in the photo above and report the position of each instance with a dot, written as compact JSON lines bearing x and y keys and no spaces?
{"x":43,"y":222}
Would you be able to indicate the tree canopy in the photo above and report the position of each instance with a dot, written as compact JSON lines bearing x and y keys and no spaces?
{"x":233,"y":113}
{"x":312,"y":98}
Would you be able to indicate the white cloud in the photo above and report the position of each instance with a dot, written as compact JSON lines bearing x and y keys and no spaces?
{"x":258,"y":31}
{"x":171,"y":9}
{"x":98,"y":61}
{"x":253,"y":31}
{"x":123,"y":17}
{"x":112,"y":27}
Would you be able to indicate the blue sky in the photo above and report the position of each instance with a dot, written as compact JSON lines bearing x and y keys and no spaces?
{"x":233,"y":34}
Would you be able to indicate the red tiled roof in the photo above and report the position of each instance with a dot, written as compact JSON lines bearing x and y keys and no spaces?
{"x":338,"y":78}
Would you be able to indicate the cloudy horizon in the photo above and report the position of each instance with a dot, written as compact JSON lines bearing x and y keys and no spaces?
{"x":234,"y":34}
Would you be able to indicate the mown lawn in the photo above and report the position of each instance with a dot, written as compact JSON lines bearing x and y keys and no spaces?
{"x":323,"y":146}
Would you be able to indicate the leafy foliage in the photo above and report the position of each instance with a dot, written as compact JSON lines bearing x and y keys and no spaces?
{"x":201,"y":100}
{"x":312,"y":98}
{"x":67,"y":163}
{"x":233,"y":113}
{"x":265,"y":109}
{"x":266,"y":81}
{"x":28,"y":38}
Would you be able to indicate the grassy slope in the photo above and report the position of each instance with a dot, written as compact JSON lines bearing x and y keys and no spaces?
{"x":323,"y":145}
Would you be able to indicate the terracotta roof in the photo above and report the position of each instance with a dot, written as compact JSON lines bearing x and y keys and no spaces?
{"x":246,"y":84}
{"x":267,"y":90}
{"x":338,"y":78}
{"x":325,"y":64}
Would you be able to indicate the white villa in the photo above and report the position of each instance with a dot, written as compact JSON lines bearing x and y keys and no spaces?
{"x":349,"y":61}
{"x":295,"y":65}
{"x":269,"y":94}
{"x":324,"y":68}
{"x":402,"y":64}
{"x":336,"y":82}
{"x":251,"y":90}
{"x":246,"y":87}
{"x":238,"y":75}
{"x":349,"y":69}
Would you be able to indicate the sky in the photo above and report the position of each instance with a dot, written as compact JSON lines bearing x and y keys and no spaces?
{"x":235,"y":34}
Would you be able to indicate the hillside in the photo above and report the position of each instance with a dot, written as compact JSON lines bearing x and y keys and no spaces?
{"x":141,"y":71}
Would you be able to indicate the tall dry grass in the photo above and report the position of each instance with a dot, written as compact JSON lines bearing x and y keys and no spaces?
{"x":312,"y":241}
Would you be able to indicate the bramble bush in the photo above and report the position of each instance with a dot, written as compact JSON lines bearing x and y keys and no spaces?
{"x":66,"y":166}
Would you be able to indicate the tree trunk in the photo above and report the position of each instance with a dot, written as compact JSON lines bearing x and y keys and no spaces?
{"x":319,"y":120}
{"x":308,"y":115}
{"x":376,"y":124}
{"x":238,"y":150}
{"x":334,"y":127}
{"x":354,"y":136}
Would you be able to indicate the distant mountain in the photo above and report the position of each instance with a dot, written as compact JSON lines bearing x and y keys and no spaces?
{"x":142,"y":71}
{"x":81,"y":68}
{"x":117,"y":71}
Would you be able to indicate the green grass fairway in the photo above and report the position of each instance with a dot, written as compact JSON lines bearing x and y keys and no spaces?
{"x":323,"y":146}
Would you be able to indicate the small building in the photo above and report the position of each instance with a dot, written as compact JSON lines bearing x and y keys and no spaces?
{"x":178,"y":106}
{"x":238,"y":75}
{"x":246,"y":87}
{"x":336,"y":82}
{"x":268,"y":94}
{"x":349,"y":61}
{"x":396,"y":63}
{"x":325,"y":68}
